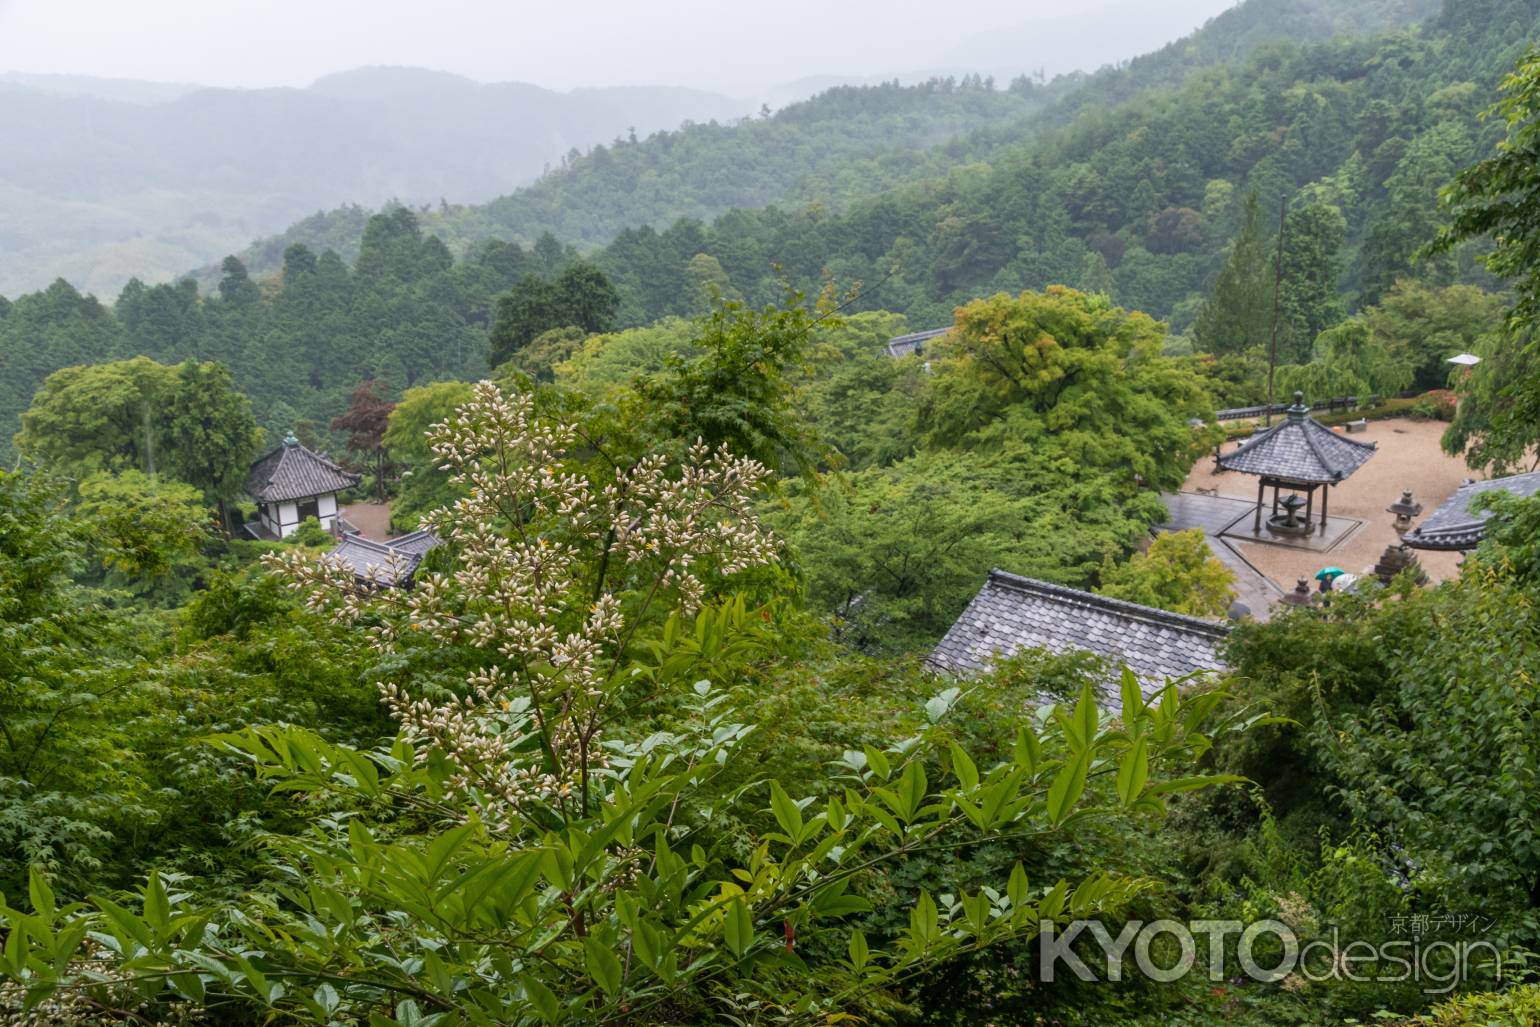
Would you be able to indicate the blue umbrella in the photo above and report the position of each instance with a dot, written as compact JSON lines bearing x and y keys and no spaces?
{"x":1329,"y":573}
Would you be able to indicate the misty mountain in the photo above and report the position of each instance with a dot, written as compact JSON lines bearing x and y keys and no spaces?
{"x":123,"y":90}
{"x":854,"y":141}
{"x":101,"y":180}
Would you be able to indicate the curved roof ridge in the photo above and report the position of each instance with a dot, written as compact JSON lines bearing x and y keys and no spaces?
{"x":293,"y":471}
{"x":1296,"y":449}
{"x":1123,"y":606}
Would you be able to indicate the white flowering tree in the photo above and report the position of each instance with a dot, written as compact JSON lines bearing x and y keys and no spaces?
{"x":522,"y":855}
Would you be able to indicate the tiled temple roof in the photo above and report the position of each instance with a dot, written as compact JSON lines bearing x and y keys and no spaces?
{"x":293,"y":472}
{"x":1299,"y":448}
{"x":1011,"y":613}
{"x":1454,"y":525}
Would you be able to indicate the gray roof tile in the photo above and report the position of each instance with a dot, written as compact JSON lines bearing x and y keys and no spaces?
{"x":914,"y":342}
{"x":1012,"y":613}
{"x":383,"y":563}
{"x":293,"y":472}
{"x":1299,"y":448}
{"x":1454,"y":525}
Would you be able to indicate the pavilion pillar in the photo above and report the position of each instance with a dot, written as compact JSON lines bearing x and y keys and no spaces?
{"x":1309,"y":508}
{"x":1261,"y":495}
{"x":1325,"y":497}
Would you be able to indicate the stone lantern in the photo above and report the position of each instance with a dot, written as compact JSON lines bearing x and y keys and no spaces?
{"x":1301,"y":594}
{"x":1404,"y":509}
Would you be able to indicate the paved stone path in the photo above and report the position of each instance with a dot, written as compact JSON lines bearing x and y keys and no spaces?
{"x":1212,"y":515}
{"x":371,"y":519}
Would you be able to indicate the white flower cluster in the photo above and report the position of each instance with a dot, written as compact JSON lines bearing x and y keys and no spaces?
{"x":553,"y":573}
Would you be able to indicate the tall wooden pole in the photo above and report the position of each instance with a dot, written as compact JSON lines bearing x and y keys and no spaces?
{"x":1272,"y":348}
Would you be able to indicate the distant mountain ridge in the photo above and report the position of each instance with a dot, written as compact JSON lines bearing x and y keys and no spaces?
{"x":120,"y":90}
{"x":845,"y":144}
{"x":163,"y":177}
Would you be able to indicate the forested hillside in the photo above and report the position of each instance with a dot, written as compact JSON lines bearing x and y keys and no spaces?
{"x":1142,"y":200}
{"x":845,"y":144}
{"x":98,"y":190}
{"x":405,"y":312}
{"x":652,"y":726}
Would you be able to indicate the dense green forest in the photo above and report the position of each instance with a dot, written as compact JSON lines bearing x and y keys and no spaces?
{"x":650,"y":739}
{"x":1140,"y":201}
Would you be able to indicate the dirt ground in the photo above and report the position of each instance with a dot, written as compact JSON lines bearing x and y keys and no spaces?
{"x":1409,"y":457}
{"x":371,"y":519}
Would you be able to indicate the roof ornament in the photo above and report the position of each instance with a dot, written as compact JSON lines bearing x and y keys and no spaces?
{"x":1298,"y":411}
{"x":291,"y":439}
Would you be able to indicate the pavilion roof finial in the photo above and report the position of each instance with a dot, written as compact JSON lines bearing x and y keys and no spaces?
{"x":291,"y":439}
{"x":1298,"y":411}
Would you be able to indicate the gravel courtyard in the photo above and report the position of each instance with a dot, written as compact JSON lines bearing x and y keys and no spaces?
{"x":1409,"y":457}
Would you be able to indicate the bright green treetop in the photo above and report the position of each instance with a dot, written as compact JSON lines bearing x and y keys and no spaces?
{"x":1177,"y":572}
{"x":141,"y":526}
{"x":1072,"y":372}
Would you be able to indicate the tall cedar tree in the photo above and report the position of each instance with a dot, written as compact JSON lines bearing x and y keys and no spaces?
{"x":580,"y":296}
{"x":1238,"y":316}
{"x":1311,"y":266}
{"x":208,"y":434}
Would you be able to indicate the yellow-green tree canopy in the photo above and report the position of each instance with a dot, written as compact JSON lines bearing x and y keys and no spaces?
{"x":138,"y":525}
{"x":1063,"y":372}
{"x":1177,"y":573}
{"x":187,"y":420}
{"x":423,"y":486}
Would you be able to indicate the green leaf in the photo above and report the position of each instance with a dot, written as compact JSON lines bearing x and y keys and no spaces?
{"x":1029,"y":751}
{"x":542,"y":998}
{"x":913,"y":788}
{"x":860,"y":954}
{"x":1053,"y":903}
{"x":157,"y":906}
{"x":1191,"y":784}
{"x":786,"y":812}
{"x":1016,"y":888}
{"x":1068,"y":785}
{"x":738,"y":927}
{"x":603,"y":967}
{"x":40,"y":894}
{"x":1087,"y":717}
{"x":924,"y":920}
{"x":877,"y":761}
{"x":1133,"y":697}
{"x":129,"y":927}
{"x":963,"y":767}
{"x":1133,"y":773}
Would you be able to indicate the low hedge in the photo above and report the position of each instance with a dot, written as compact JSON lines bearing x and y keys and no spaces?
{"x":1415,"y":407}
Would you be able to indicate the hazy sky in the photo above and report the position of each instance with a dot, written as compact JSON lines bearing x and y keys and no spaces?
{"x":715,"y":44}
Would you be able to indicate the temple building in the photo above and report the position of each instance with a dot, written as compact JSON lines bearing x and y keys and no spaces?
{"x":291,"y":484}
{"x":1012,"y":613}
{"x":1455,"y":526}
{"x":1301,"y":455}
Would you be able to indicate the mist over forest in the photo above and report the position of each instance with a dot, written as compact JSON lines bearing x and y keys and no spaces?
{"x":1040,"y":528}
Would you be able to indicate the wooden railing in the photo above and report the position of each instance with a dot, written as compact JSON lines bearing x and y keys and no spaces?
{"x":1246,"y":413}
